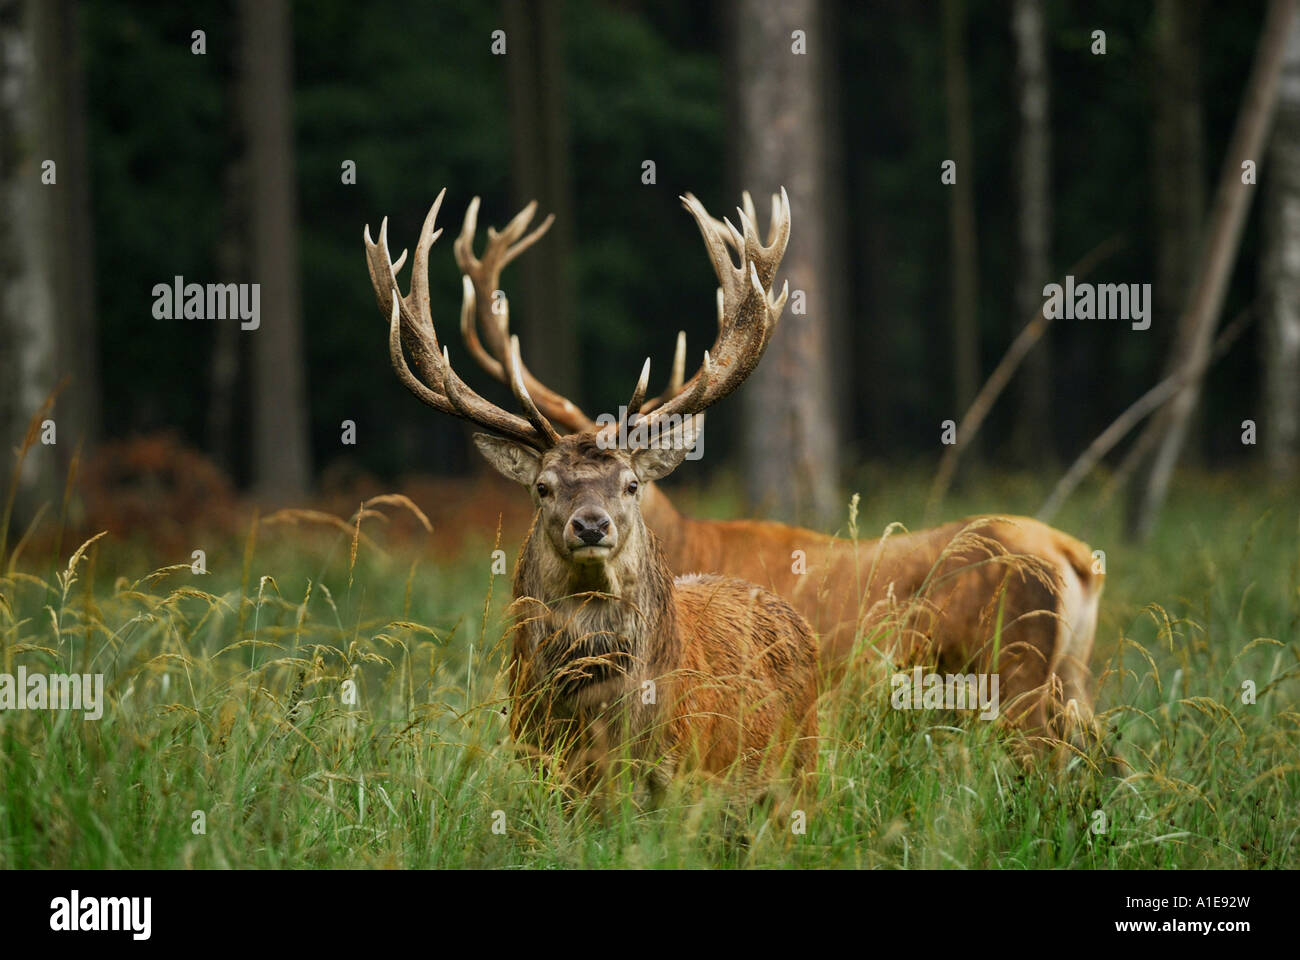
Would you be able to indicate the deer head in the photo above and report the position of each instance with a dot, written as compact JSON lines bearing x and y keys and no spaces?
{"x":588,"y":501}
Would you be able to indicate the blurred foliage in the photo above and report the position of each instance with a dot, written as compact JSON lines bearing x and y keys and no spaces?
{"x":413,"y":94}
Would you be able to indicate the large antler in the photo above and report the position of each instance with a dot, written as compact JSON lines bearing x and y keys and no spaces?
{"x":484,"y":301}
{"x":411,"y":330}
{"x":747,"y":311}
{"x":489,"y":307}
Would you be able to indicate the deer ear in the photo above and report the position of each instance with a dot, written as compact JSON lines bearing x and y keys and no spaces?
{"x":652,"y":463}
{"x":511,"y":459}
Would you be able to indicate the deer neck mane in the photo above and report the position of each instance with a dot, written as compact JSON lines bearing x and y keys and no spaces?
{"x":617,"y":618}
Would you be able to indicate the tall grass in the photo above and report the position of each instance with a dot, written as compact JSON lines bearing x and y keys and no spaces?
{"x":231,"y":738}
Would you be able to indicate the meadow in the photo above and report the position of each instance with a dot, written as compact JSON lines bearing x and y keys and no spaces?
{"x":330,"y":694}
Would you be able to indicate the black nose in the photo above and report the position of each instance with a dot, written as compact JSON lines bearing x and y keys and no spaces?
{"x":590,"y":526}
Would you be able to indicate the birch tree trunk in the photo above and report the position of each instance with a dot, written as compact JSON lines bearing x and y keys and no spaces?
{"x":47,"y":304}
{"x":1280,"y":275}
{"x":1033,"y":437}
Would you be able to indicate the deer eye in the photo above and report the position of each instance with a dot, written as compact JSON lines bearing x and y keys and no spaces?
{"x":542,"y":489}
{"x":632,"y":487}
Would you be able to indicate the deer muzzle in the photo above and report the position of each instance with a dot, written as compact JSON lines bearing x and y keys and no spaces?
{"x":590,"y":533}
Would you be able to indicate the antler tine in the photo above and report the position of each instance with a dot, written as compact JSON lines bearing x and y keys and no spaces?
{"x":713,"y":232}
{"x":420,"y":264}
{"x":509,"y":237}
{"x":730,"y":235}
{"x":690,"y":398}
{"x":767,"y":257}
{"x":492,"y":353}
{"x":418,"y":338}
{"x":542,"y":425}
{"x":638,"y":395}
{"x":676,"y":378}
{"x":410,"y":326}
{"x":470,"y":334}
{"x":747,"y":311}
{"x":678,"y":375}
{"x":748,"y":204}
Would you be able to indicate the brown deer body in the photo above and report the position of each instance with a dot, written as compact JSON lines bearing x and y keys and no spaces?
{"x":939,"y":596}
{"x":610,"y":653}
{"x":948,"y":595}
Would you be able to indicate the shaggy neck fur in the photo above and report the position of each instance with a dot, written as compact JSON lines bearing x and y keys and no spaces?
{"x":596,"y":630}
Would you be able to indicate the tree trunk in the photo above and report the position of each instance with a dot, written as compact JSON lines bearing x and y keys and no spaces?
{"x":546,"y":325}
{"x":280,"y":443}
{"x":77,"y":354}
{"x":964,"y":249}
{"x":1033,"y":434}
{"x":27,"y":310}
{"x":1178,"y":156}
{"x":1280,"y":276}
{"x":790,"y":423}
{"x":225,"y":410}
{"x":841,"y":315}
{"x":1177,"y":161}
{"x":1218,"y":254}
{"x":47,"y":311}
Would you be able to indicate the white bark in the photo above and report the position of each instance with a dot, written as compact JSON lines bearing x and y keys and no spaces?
{"x":1280,"y":275}
{"x":1033,"y":187}
{"x":27,"y":282}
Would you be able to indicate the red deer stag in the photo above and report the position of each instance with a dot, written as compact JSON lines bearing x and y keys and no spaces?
{"x":609,"y":651}
{"x":991,"y":593}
